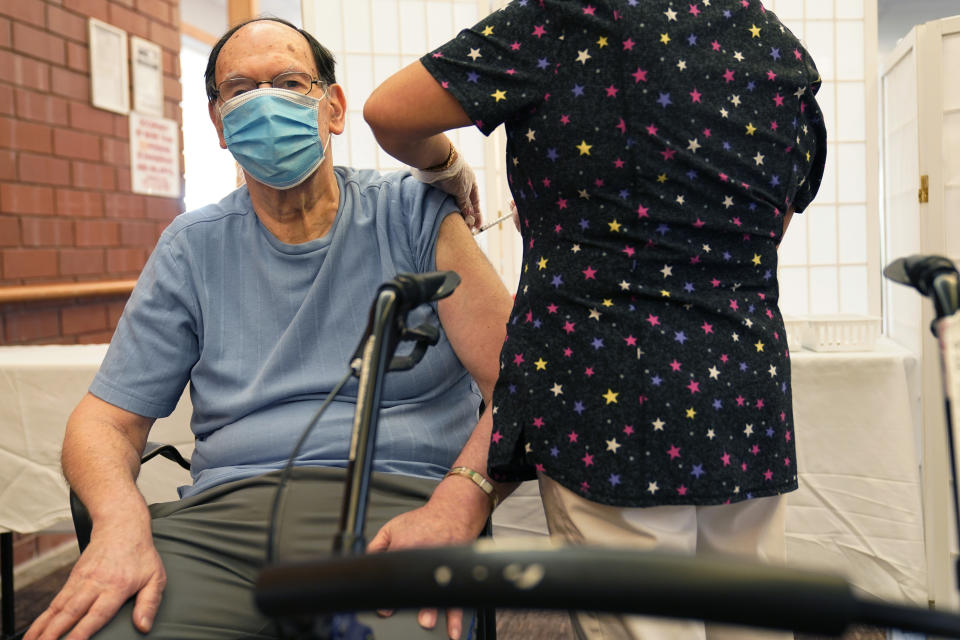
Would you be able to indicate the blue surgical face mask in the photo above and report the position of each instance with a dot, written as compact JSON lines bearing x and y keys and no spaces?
{"x":273,"y":135}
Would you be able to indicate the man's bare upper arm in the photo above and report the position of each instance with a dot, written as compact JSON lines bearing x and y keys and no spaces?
{"x":475,"y":316}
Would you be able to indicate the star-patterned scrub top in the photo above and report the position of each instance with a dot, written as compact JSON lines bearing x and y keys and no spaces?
{"x":653,"y":148}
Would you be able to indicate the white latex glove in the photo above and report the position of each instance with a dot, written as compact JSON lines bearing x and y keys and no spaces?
{"x":457,"y":180}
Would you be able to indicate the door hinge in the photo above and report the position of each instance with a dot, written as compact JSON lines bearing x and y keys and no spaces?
{"x":924,"y":194}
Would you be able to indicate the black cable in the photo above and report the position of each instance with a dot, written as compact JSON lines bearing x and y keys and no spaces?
{"x":288,"y":467}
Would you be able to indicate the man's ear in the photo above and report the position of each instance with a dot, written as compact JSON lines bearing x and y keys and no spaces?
{"x":337,"y":102}
{"x":217,"y":122}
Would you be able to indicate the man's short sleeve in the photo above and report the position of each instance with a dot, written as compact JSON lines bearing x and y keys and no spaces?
{"x":423,"y":210}
{"x":156,"y":341}
{"x":501,"y":65}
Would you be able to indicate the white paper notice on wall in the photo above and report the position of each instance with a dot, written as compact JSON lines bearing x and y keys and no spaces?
{"x":147,"y":60}
{"x":109,"y":85}
{"x":154,"y":156}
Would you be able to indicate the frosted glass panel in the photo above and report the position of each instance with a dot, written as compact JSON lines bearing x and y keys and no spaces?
{"x":822,"y":234}
{"x":384,"y":67}
{"x":853,"y":289}
{"x":820,"y":9}
{"x":819,"y":39}
{"x":852,"y":233}
{"x":793,"y":291}
{"x":850,"y":53}
{"x":850,"y":9}
{"x":329,"y":31}
{"x":788,"y":10}
{"x":471,"y":146}
{"x":413,"y":27}
{"x":363,"y":146}
{"x":440,"y":27}
{"x":383,"y":28}
{"x":356,"y":24}
{"x":850,"y":118}
{"x":359,"y":69}
{"x":851,"y":160}
{"x":823,"y":290}
{"x":793,"y":247}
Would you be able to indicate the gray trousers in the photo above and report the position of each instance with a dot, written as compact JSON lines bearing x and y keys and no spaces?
{"x":213,"y":547}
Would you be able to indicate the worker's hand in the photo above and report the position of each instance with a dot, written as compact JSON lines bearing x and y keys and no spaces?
{"x":457,"y":180}
{"x":119,"y":562}
{"x":440,"y":522}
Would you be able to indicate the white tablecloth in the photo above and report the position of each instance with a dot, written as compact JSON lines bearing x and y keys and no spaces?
{"x":858,"y":510}
{"x":39,"y":387}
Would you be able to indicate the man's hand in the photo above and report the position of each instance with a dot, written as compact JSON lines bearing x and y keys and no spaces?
{"x":440,"y":522}
{"x":120,"y":562}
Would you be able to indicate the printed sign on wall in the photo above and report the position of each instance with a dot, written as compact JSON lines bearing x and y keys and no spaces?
{"x":154,"y":156}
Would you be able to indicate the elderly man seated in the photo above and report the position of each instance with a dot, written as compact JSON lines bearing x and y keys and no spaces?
{"x":258,"y":302}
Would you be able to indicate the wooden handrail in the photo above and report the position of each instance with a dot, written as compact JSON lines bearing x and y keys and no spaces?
{"x":65,"y":290}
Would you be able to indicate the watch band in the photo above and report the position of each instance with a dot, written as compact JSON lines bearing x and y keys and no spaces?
{"x":485,"y":485}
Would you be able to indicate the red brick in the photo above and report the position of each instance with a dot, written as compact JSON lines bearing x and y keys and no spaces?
{"x":40,"y":232}
{"x":163,"y":208}
{"x":25,"y":136}
{"x":93,"y":8}
{"x":125,"y":262}
{"x":26,"y":199}
{"x":9,"y":231}
{"x":6,"y":40}
{"x":115,"y":152}
{"x":114,"y":311}
{"x":83,"y":318}
{"x":92,"y":175}
{"x":121,"y":128}
{"x":97,"y":337}
{"x":123,"y":179}
{"x":171,"y":63}
{"x":124,"y":205}
{"x":87,"y":118}
{"x":138,"y":234}
{"x":68,"y":143}
{"x":7,"y":100}
{"x":67,"y":24}
{"x":43,"y":169}
{"x":70,"y":84}
{"x":29,"y":263}
{"x":97,"y":233}
{"x":31,"y":12}
{"x":159,"y":10}
{"x":78,"y":57}
{"x":31,"y":324}
{"x":172,"y":88}
{"x":80,"y":262}
{"x":126,"y":3}
{"x":39,"y":44}
{"x":130,"y":21}
{"x":166,"y":37}
{"x":79,"y":204}
{"x":24,"y":71}
{"x":42,"y":107}
{"x":8,"y":165}
{"x":24,"y":549}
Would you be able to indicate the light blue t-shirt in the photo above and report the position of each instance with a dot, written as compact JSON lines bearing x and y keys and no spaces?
{"x":263,"y":330}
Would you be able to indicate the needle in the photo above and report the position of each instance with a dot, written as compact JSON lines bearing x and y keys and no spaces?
{"x":495,"y":222}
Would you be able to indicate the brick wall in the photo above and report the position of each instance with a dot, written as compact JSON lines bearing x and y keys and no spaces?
{"x":67,"y":213}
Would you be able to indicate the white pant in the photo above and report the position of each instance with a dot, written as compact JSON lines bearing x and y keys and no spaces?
{"x":752,"y":528}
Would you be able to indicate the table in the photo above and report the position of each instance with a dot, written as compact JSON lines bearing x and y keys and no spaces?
{"x":859,"y":509}
{"x":39,"y":387}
